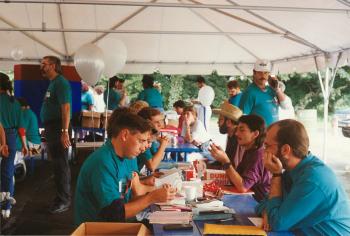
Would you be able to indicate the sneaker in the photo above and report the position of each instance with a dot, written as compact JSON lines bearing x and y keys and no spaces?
{"x":59,"y":207}
{"x":6,"y":213}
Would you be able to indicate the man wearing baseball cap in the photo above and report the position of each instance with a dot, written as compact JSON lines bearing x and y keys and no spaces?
{"x":227,"y":122}
{"x":260,"y":98}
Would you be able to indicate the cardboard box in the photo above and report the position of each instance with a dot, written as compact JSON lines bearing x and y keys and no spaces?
{"x":103,"y":119}
{"x":104,"y":228}
{"x":218,"y":176}
{"x":90,"y":119}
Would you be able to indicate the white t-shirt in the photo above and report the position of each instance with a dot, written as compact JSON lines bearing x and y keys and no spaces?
{"x":198,"y":132}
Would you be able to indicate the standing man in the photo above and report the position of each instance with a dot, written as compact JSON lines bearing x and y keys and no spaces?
{"x":262,"y":99}
{"x":204,"y":110}
{"x":306,"y":197}
{"x":56,"y":115}
{"x":234,"y":92}
{"x":87,"y":99}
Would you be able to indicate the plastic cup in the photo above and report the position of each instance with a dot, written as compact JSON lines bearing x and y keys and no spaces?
{"x":190,"y":193}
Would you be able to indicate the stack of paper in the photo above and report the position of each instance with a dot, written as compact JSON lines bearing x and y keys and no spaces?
{"x":170,"y":217}
{"x":171,"y":177}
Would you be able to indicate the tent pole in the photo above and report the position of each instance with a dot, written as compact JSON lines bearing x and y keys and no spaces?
{"x":325,"y":115}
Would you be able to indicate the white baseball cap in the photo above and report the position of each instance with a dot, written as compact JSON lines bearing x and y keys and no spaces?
{"x":262,"y":65}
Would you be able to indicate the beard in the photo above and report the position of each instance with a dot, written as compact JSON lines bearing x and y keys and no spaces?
{"x":223,"y":128}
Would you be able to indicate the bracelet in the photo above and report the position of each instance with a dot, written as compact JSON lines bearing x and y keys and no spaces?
{"x":277,"y":175}
{"x":64,"y":130}
{"x":226,"y":165}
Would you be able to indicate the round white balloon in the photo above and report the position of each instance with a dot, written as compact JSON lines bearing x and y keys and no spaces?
{"x":89,"y":63}
{"x":206,"y":95}
{"x":17,"y":54}
{"x":115,"y":54}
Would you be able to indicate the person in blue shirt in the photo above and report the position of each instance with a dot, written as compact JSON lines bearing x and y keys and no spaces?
{"x":262,"y":99}
{"x":155,"y":152}
{"x":87,"y":99}
{"x":306,"y":197}
{"x":108,"y":188}
{"x":115,"y":98}
{"x":150,"y":94}
{"x":11,"y":119}
{"x":234,"y":91}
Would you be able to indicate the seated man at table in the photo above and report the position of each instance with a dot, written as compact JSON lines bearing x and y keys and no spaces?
{"x":250,"y":173}
{"x":228,"y":122}
{"x":306,"y":197}
{"x":155,"y":151}
{"x":103,"y":191}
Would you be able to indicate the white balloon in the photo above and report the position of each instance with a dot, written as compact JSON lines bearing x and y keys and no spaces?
{"x":206,"y":95}
{"x":115,"y":55}
{"x":17,"y":54}
{"x":89,"y":63}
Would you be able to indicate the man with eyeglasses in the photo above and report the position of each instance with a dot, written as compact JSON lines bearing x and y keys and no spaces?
{"x":305,"y":195}
{"x":55,"y":115}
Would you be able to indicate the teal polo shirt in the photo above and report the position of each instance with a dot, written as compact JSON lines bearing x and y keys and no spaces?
{"x":59,"y":92}
{"x":86,"y":100}
{"x":31,"y":126}
{"x":235,"y":100}
{"x":113,"y":99}
{"x":259,"y":102}
{"x":152,"y":96}
{"x":313,"y":201}
{"x":103,"y":178}
{"x":10,"y":112}
{"x":147,"y":155}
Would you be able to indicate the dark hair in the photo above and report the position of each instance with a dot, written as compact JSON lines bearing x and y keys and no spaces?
{"x":112,"y":81}
{"x":5,"y":84}
{"x":56,"y":61}
{"x":123,"y":119}
{"x":22,"y":101}
{"x":147,"y":81}
{"x":200,"y":79}
{"x":255,"y":123}
{"x":294,"y":134}
{"x":148,"y":112}
{"x":191,"y":109}
{"x":179,"y":103}
{"x":233,"y":84}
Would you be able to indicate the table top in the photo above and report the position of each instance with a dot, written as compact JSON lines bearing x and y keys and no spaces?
{"x":182,"y":147}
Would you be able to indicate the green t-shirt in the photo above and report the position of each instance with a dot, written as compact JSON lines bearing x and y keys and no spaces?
{"x":147,"y":155}
{"x":59,"y":92}
{"x":31,"y":126}
{"x":113,"y":99}
{"x":10,"y":112}
{"x":103,"y":178}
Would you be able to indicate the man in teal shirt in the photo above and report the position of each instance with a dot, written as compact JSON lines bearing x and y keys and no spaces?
{"x":306,"y":198}
{"x":115,"y":99}
{"x":87,"y":100}
{"x":150,"y":94}
{"x":106,"y":187}
{"x":55,"y":115}
{"x":259,"y":98}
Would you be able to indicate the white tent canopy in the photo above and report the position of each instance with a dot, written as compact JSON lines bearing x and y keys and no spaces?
{"x":184,"y":36}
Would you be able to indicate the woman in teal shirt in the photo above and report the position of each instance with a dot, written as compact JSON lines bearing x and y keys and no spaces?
{"x":150,"y":94}
{"x":115,"y":99}
{"x":12,"y":121}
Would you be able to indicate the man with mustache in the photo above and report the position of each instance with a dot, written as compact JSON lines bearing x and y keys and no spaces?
{"x":262,"y":99}
{"x":55,"y":115}
{"x":305,"y":195}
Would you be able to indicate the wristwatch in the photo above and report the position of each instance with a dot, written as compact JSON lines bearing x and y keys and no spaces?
{"x":277,"y":175}
{"x":64,"y":130}
{"x":226,"y":165}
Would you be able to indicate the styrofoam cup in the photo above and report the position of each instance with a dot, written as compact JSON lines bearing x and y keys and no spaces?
{"x":190,"y":192}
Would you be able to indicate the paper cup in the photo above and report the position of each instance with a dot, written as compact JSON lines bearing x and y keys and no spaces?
{"x":190,"y":192}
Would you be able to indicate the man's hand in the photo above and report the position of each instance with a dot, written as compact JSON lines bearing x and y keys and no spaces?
{"x":164,"y":141}
{"x":272,"y":163}
{"x":219,"y":154}
{"x":65,"y":139}
{"x":158,"y":174}
{"x":4,"y":150}
{"x":149,"y":180}
{"x":25,"y":151}
{"x":164,"y":194}
{"x":265,"y":222}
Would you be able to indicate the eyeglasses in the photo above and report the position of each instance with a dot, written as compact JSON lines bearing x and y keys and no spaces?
{"x":266,"y":146}
{"x":45,"y":64}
